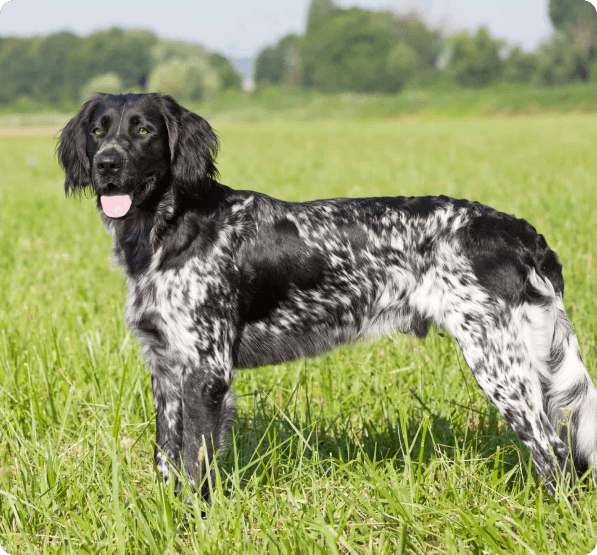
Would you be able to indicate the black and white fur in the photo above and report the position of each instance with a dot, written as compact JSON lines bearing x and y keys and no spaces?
{"x":221,"y":279}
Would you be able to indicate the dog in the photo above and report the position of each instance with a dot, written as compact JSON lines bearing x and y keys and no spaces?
{"x":220,"y":279}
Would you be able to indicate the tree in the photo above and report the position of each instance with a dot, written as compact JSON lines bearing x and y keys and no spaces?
{"x":56,"y":74}
{"x":559,"y":60}
{"x":427,"y":43}
{"x":520,"y":66}
{"x":279,"y":64}
{"x":401,"y":66}
{"x":359,"y":50}
{"x":319,"y":11}
{"x":268,"y":66}
{"x":18,"y":68}
{"x":577,"y":22}
{"x":475,"y":61}
{"x":167,"y":50}
{"x":563,"y":13}
{"x":126,"y":53}
{"x":228,"y":76}
{"x":56,"y":68}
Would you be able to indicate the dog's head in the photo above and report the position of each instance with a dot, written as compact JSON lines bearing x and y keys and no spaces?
{"x":134,"y":148}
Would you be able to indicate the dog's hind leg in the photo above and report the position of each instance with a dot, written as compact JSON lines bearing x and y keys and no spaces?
{"x":505,"y":371}
{"x":506,"y":344}
{"x":570,"y":395}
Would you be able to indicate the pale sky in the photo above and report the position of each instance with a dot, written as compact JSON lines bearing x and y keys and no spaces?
{"x":240,"y":28}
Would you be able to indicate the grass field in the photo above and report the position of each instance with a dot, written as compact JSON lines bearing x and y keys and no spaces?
{"x":381,"y":448}
{"x":443,"y":99}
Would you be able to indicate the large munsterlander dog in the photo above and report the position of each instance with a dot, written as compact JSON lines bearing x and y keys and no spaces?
{"x":221,"y":279}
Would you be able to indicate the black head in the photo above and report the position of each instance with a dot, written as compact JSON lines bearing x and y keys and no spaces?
{"x":134,"y":148}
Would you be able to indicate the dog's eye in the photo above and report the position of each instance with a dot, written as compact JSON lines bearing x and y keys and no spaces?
{"x":97,"y":131}
{"x":143,"y":131}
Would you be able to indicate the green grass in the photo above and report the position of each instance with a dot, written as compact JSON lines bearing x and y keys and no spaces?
{"x":443,"y":100}
{"x":387,"y":447}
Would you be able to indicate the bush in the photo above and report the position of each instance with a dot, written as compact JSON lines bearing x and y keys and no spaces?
{"x":191,"y":79}
{"x":474,"y":60}
{"x":520,"y":67}
{"x":107,"y":83}
{"x":402,"y":65}
{"x":561,"y":61}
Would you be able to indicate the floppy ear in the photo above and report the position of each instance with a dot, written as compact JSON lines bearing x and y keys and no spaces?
{"x":72,"y":148}
{"x":193,"y":148}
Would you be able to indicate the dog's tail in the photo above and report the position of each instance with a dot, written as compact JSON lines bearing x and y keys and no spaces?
{"x":569,"y":395}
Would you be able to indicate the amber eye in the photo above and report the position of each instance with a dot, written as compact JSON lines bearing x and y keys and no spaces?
{"x":143,"y":131}
{"x":97,"y":131}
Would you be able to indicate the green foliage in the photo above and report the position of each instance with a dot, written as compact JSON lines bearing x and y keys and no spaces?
{"x":475,"y":60}
{"x":17,"y":68}
{"x":56,"y":73}
{"x":403,"y":62}
{"x":269,"y":67}
{"x":563,"y":13}
{"x":358,"y":50}
{"x":167,"y":50}
{"x":343,"y":50}
{"x":319,"y":13}
{"x":520,"y":66}
{"x":279,"y":64}
{"x":577,"y":22}
{"x":125,"y":53}
{"x":426,"y":42}
{"x":228,"y":77}
{"x":107,"y":83}
{"x":189,"y":72}
{"x":560,"y":61}
{"x":56,"y":68}
{"x":187,"y":80}
{"x":593,"y":71}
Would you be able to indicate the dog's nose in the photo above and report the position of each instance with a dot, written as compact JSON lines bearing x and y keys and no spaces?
{"x":109,"y":164}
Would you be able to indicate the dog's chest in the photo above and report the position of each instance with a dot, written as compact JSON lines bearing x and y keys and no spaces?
{"x":172,"y":312}
{"x":162,"y":307}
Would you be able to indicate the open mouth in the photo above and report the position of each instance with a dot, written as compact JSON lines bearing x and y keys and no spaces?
{"x":116,"y":206}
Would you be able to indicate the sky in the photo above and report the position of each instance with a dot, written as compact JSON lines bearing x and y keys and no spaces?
{"x":241,"y":28}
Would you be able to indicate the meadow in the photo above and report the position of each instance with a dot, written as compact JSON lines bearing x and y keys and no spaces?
{"x":387,"y":447}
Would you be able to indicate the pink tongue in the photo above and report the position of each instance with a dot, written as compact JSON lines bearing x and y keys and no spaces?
{"x":116,"y":206}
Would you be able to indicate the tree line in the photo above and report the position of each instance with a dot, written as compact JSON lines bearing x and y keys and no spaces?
{"x":341,"y":50}
{"x":367,"y":51}
{"x":64,"y":68}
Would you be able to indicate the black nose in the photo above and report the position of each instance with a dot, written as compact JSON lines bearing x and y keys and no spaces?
{"x":109,"y":164}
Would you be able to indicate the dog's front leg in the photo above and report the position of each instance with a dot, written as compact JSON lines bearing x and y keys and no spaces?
{"x":207,"y":414}
{"x":168,"y":413}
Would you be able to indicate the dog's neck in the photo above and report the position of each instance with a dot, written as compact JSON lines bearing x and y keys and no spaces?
{"x":134,"y":242}
{"x":138,"y":236}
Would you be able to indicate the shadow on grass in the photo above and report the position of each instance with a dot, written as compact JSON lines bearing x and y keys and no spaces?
{"x":268,"y":440}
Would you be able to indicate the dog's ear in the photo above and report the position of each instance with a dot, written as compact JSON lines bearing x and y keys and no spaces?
{"x":193,"y":148}
{"x":72,"y":148}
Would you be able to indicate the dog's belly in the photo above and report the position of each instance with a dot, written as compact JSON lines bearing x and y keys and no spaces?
{"x":314,"y":322}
